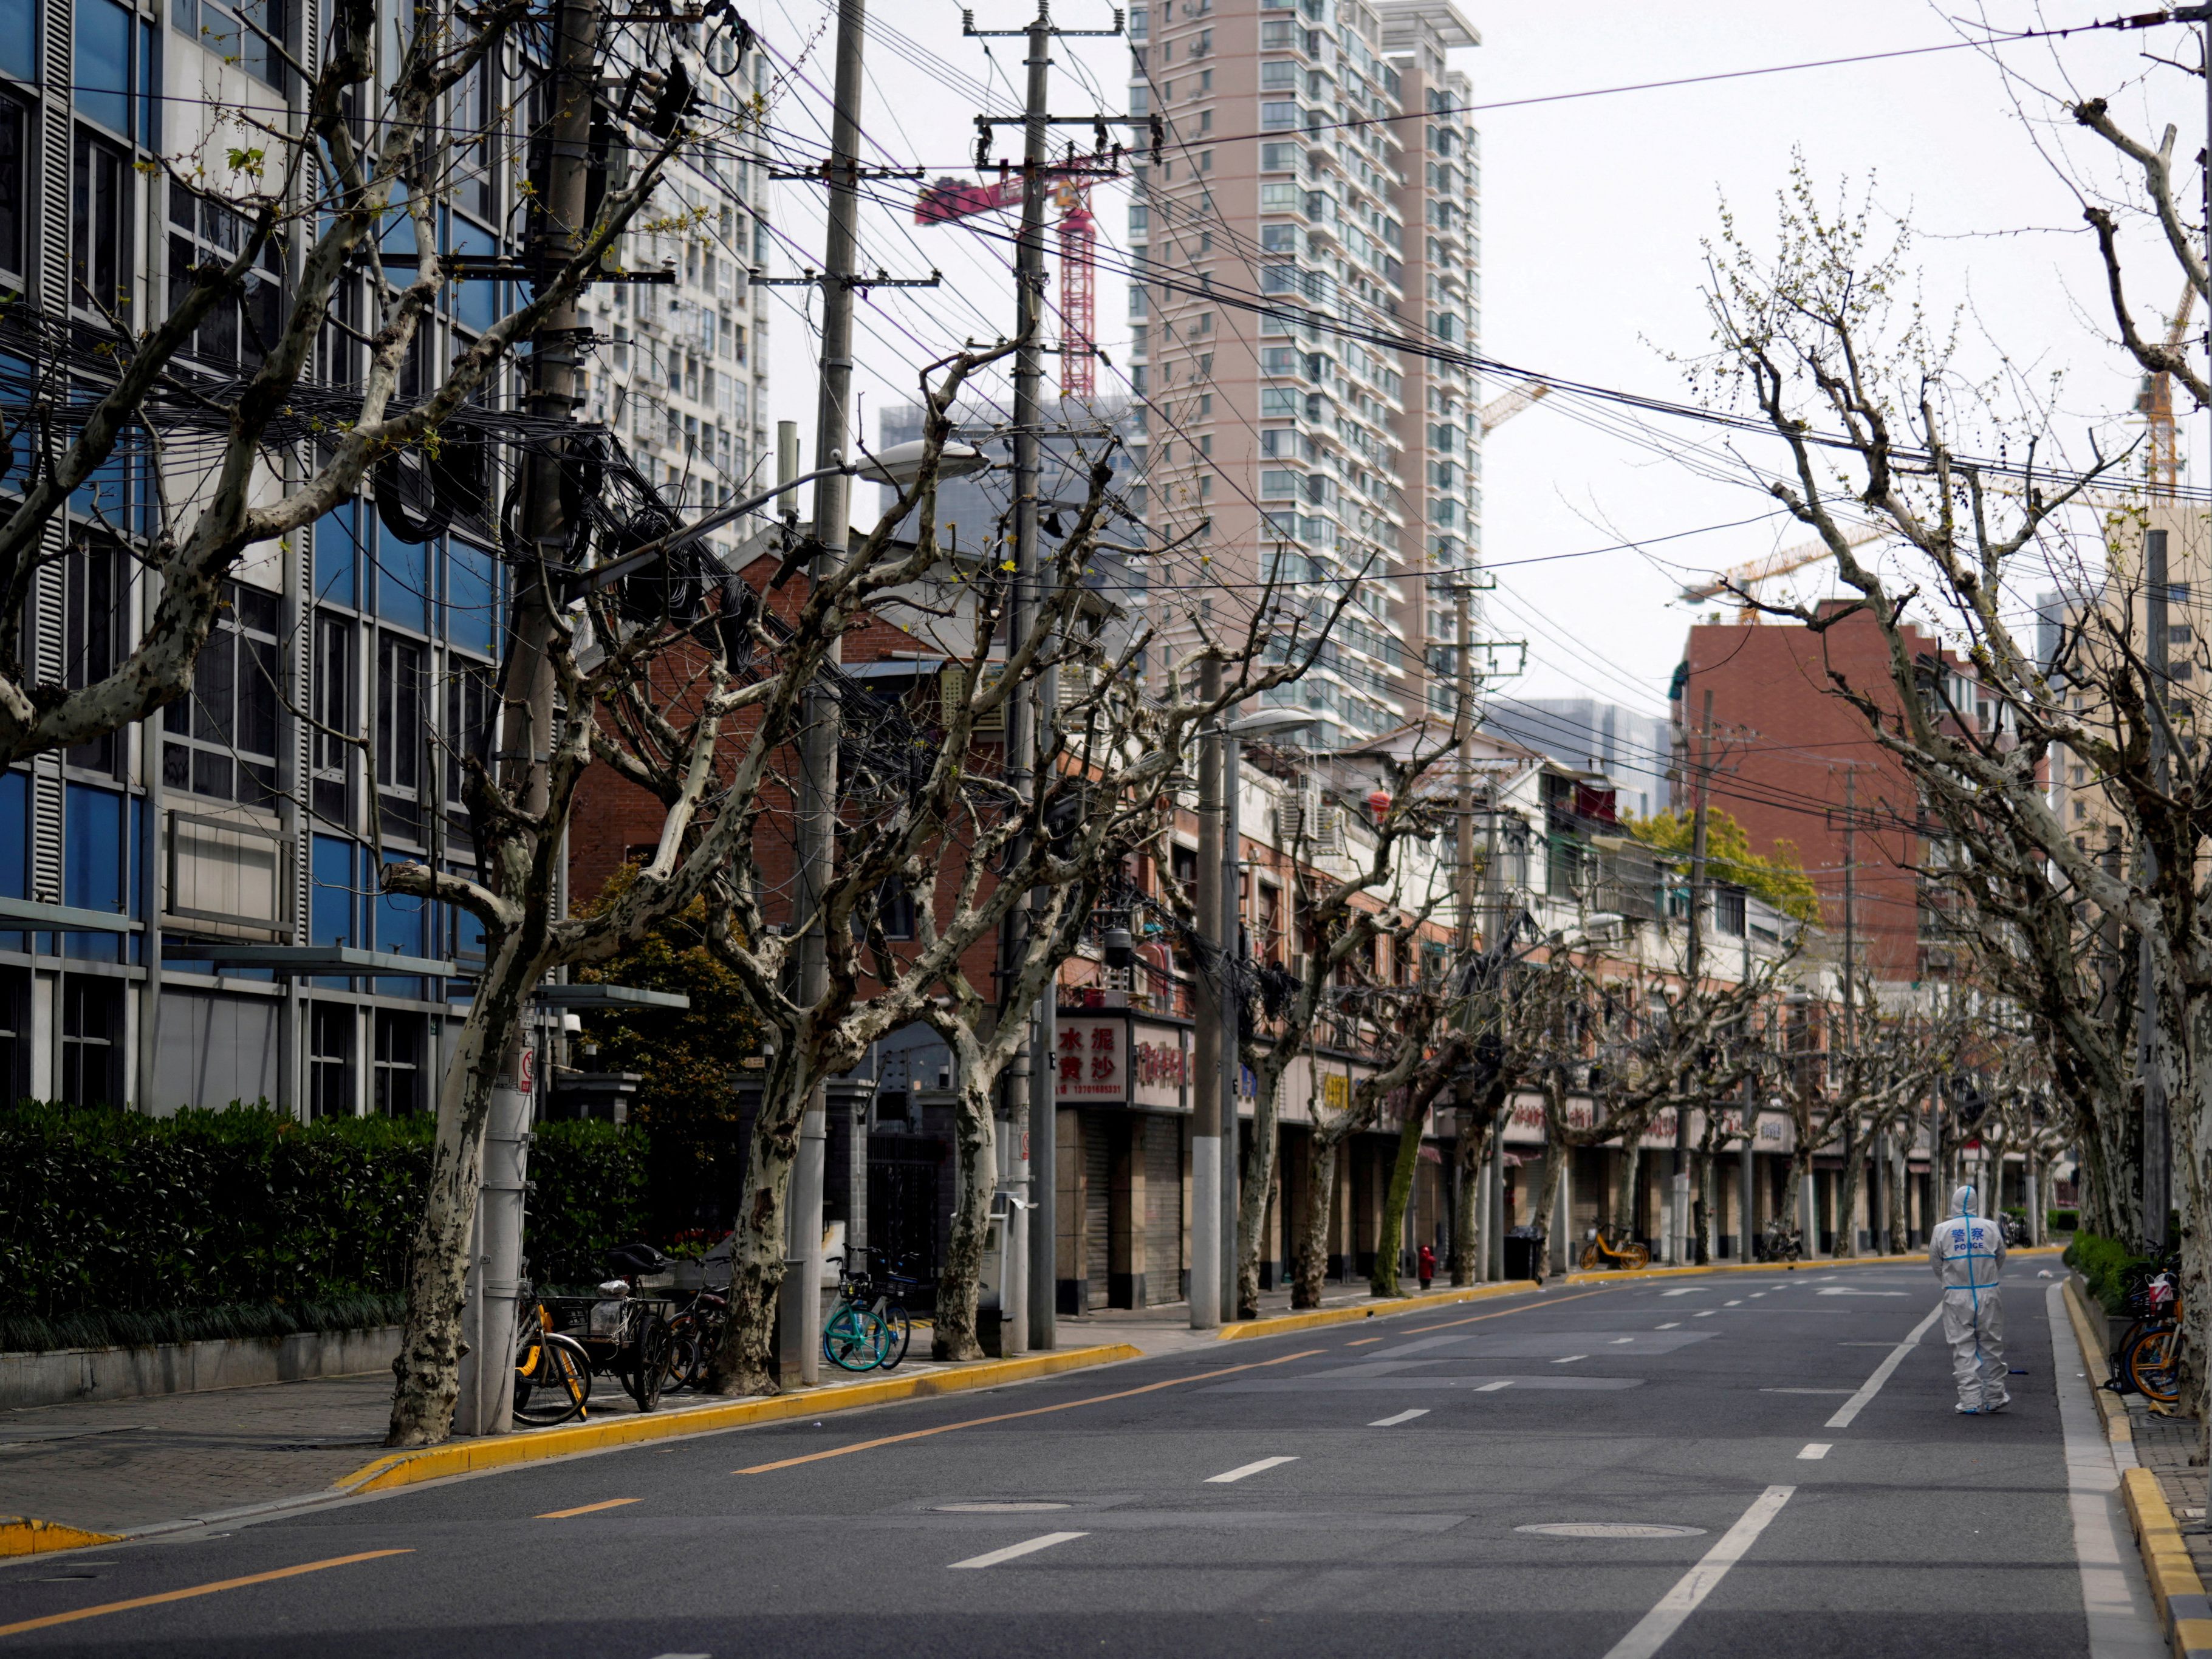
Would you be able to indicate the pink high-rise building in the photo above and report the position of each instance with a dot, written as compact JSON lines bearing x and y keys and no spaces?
{"x":1311,"y":241}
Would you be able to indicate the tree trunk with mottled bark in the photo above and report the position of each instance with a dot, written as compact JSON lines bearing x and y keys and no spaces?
{"x":1312,"y":1271}
{"x":1390,"y":1242}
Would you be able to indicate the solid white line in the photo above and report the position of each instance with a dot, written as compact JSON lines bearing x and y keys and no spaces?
{"x":1259,"y":1468}
{"x":2114,"y":1599}
{"x":1814,"y":1452}
{"x":1851,"y":1407}
{"x":1402,"y":1417}
{"x":1492,"y":1388}
{"x":1014,"y":1552}
{"x":1652,"y":1630}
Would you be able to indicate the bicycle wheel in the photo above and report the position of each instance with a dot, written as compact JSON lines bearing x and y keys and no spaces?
{"x":853,"y":1339}
{"x":648,"y":1365}
{"x":552,"y":1379}
{"x":682,"y":1361}
{"x":898,"y":1332}
{"x":1591,"y":1260}
{"x":1635,"y":1256}
{"x":2153,"y":1363}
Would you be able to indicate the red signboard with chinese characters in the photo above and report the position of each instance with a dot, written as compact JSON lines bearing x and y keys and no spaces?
{"x":1090,"y":1060}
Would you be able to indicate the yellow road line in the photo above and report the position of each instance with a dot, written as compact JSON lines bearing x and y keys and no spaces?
{"x":71,"y":1617}
{"x":1034,"y":1411}
{"x":1548,"y":1302}
{"x":1363,"y":1342}
{"x":587,"y":1508}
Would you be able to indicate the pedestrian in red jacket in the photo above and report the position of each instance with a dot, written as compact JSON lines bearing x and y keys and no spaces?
{"x":1427,"y":1259}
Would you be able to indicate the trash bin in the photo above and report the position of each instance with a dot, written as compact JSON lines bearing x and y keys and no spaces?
{"x":1522,"y":1249}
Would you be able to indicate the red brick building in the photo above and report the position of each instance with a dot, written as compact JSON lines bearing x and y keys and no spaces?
{"x":1785,"y":746}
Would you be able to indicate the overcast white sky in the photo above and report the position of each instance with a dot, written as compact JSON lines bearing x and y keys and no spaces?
{"x":1595,"y":209}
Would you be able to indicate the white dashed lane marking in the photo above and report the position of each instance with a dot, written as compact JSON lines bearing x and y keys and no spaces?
{"x":1814,"y":1452}
{"x":1492,"y":1388}
{"x":1568,"y":1358}
{"x":1260,"y":1468}
{"x":1015,"y":1552}
{"x":1672,"y":1325}
{"x":1402,"y":1417}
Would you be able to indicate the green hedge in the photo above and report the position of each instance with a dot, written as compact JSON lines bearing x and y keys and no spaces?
{"x":234,"y":1217}
{"x":2103,"y":1263}
{"x":2065,"y":1221}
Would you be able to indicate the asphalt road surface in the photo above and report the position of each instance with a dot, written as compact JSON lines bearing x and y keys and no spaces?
{"x":1794,"y":1482}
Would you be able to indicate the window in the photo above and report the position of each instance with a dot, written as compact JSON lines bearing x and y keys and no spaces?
{"x":468,"y":722}
{"x":1279,"y":239}
{"x":240,"y":328}
{"x":1276,"y":114}
{"x":1278,"y":158}
{"x":240,"y":31}
{"x":330,"y":1060}
{"x":330,"y":757}
{"x":91,"y":1033}
{"x":1281,"y":72}
{"x":15,"y":1032}
{"x":1279,"y":360}
{"x":92,"y":603}
{"x":99,"y":228}
{"x":15,"y":126}
{"x":220,"y":740}
{"x":1276,"y":483}
{"x":399,"y":735}
{"x":398,"y":1071}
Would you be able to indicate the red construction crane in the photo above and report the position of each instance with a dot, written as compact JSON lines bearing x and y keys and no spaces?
{"x":954,"y":199}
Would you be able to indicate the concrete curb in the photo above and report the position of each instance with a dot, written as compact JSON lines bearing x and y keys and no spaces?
{"x":2174,"y":1584}
{"x":507,"y":1451}
{"x":22,"y":1535}
{"x":1353,"y":1313}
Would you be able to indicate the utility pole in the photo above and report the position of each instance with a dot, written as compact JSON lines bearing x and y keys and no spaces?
{"x":2157,"y":1175}
{"x":799,"y":1305}
{"x":1211,"y":984}
{"x":1464,"y":895}
{"x":1847,"y":1226}
{"x":1029,"y":1294}
{"x":1232,"y":1048}
{"x":486,"y":1403}
{"x":1679,"y":1221}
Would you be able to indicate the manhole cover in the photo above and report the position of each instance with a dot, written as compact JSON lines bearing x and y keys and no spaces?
{"x":1610,"y":1529}
{"x":1007,"y":1508}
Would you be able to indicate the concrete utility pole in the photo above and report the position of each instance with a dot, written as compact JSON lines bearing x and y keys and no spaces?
{"x":1206,"y":1091}
{"x":1847,"y":1226}
{"x":486,"y":1404}
{"x":1232,"y":1057}
{"x":799,"y":1307}
{"x":1678,"y":1228}
{"x":2157,"y":1167}
{"x":1463,"y":896}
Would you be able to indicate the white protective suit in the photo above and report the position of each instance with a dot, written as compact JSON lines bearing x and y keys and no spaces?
{"x":1967,"y":1254}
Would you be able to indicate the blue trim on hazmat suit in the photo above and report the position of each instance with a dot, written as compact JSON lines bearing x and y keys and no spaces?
{"x":1967,"y":1254}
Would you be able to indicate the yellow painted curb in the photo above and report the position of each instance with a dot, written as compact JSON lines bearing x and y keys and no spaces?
{"x":21,"y":1536}
{"x":2110,"y":1410}
{"x":2166,"y":1557}
{"x":1353,"y":1313}
{"x":504,"y":1451}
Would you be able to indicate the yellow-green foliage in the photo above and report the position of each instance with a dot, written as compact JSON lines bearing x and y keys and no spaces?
{"x":1780,"y":880}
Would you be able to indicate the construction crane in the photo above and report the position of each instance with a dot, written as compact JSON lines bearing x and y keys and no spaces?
{"x":1743,"y":576}
{"x":950,"y":198}
{"x":2154,"y":403}
{"x":1504,"y":407}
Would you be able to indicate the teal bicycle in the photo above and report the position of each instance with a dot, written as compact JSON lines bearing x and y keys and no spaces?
{"x":867,"y":1330}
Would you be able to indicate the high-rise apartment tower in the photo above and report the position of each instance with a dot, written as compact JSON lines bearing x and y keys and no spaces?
{"x":1310,"y":244}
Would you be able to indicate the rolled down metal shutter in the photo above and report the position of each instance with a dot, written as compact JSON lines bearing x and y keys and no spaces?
{"x":1162,"y":1209}
{"x":1097,"y":1197}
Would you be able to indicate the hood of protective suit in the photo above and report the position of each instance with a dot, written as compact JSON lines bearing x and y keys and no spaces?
{"x":1962,"y":1202}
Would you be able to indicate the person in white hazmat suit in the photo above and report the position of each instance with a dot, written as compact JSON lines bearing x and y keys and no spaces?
{"x":1967,"y":1254}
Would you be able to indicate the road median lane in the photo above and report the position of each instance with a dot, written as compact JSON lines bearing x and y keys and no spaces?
{"x":477,"y":1456}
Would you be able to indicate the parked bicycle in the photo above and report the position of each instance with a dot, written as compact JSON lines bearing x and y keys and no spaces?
{"x":1781,"y":1243}
{"x":694,"y":1331}
{"x":552,"y":1371}
{"x":869,"y":1328}
{"x":2147,"y":1360}
{"x":1619,"y":1250}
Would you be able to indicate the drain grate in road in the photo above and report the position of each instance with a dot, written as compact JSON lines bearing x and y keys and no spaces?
{"x":1609,"y":1529}
{"x":1006,"y":1508}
